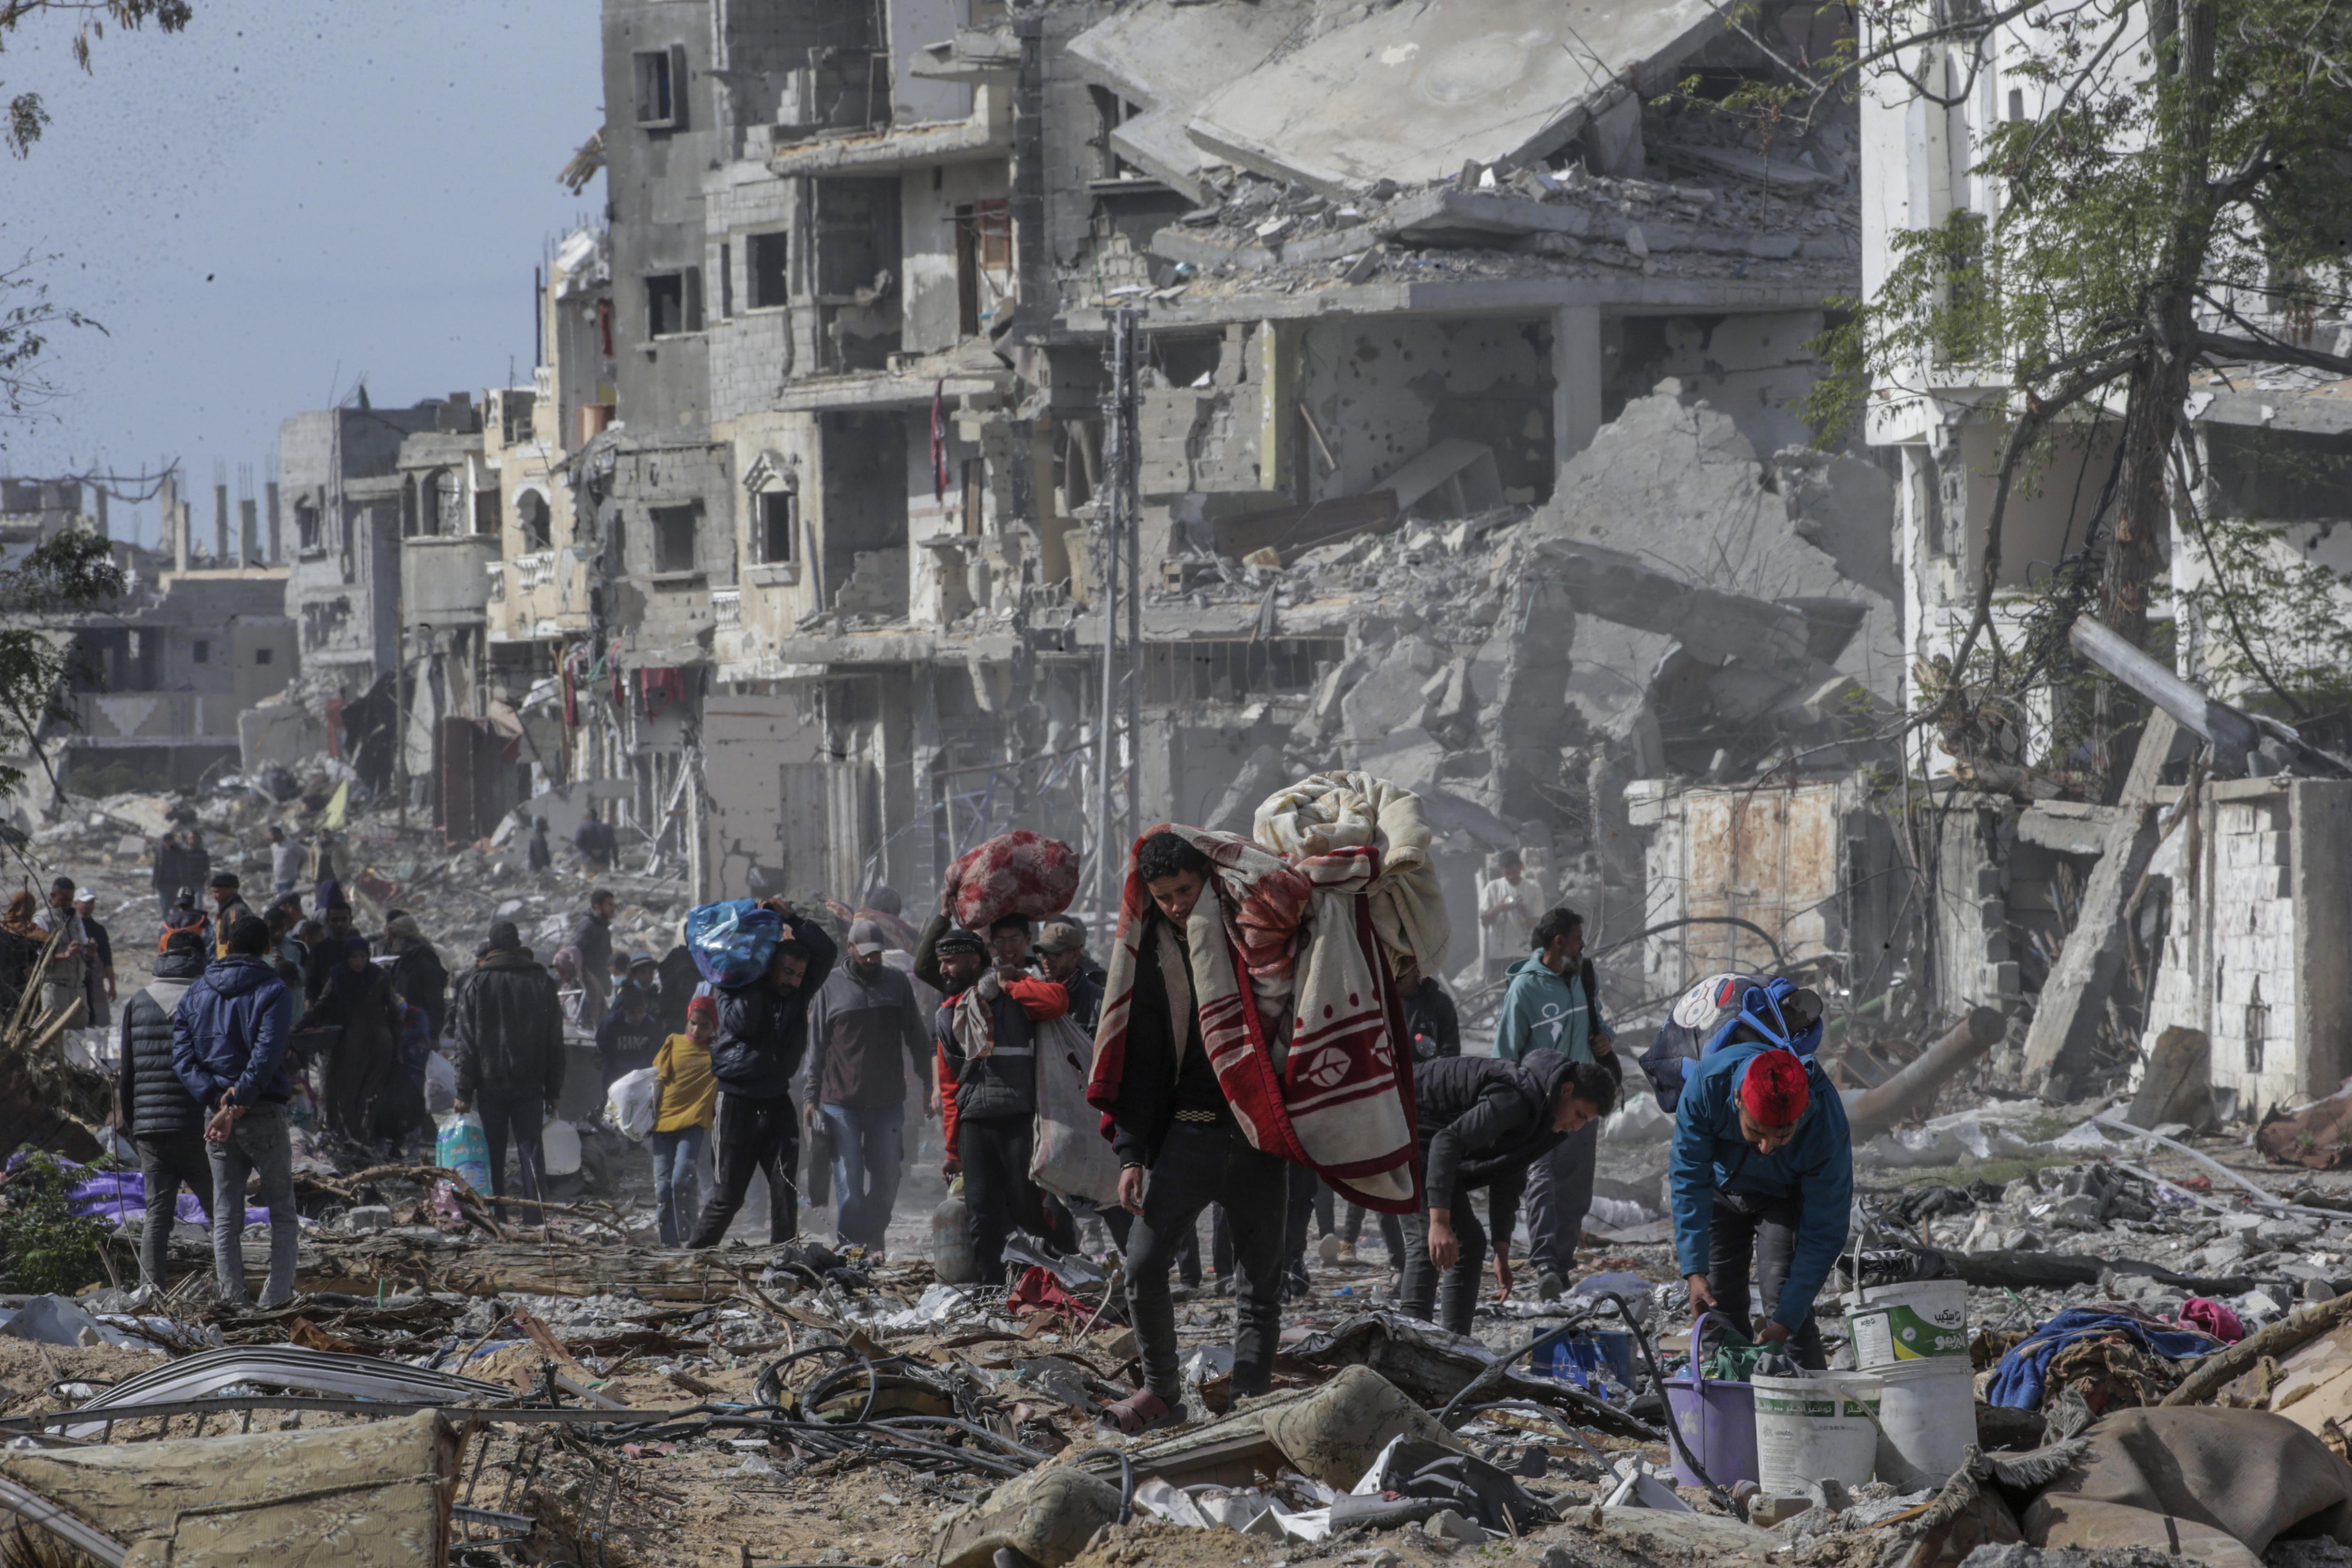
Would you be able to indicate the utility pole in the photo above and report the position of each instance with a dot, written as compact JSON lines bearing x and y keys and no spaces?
{"x":1117,"y":510}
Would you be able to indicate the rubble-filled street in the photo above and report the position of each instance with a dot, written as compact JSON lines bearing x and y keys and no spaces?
{"x":1175,"y":782}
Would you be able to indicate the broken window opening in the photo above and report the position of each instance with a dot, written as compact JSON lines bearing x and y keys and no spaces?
{"x":535,"y":522}
{"x":204,"y":650}
{"x":264,"y":654}
{"x":674,"y":529}
{"x":486,"y":509}
{"x":659,"y":73}
{"x":514,"y":417}
{"x":674,"y":302}
{"x":983,"y":244}
{"x":409,"y":524}
{"x":448,"y":502}
{"x":777,"y":518}
{"x":766,"y":283}
{"x":2258,"y":1026}
{"x":726,"y":280}
{"x":307,"y":537}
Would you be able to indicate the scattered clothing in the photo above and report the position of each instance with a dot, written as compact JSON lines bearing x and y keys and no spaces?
{"x":2024,"y":1372}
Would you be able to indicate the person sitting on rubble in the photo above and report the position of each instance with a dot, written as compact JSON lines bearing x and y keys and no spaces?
{"x":1761,"y":1169}
{"x":229,"y":1036}
{"x":536,"y":854}
{"x":165,"y":1122}
{"x":508,"y":1027}
{"x":762,"y":1035}
{"x":1179,"y":1150}
{"x":686,"y":1097}
{"x":1483,"y":1122}
{"x":984,"y":1032}
{"x":866,"y":1032}
{"x":1554,"y":1003}
{"x":629,"y":1035}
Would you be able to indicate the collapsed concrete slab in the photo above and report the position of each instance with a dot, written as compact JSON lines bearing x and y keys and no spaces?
{"x":1169,"y":58}
{"x":1413,"y":92}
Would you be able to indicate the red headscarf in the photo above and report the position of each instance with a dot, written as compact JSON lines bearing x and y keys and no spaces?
{"x":1775,"y":1091}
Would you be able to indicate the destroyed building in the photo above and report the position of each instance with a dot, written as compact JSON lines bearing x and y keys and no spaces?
{"x":156,"y":682}
{"x":850,"y":521}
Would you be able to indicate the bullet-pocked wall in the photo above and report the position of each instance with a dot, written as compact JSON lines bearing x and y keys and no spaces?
{"x":1383,"y":390}
{"x":1757,"y":368}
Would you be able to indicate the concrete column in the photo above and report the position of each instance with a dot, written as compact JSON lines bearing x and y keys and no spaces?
{"x":220,"y":525}
{"x":248,"y":534}
{"x":169,"y":533}
{"x":1277,"y":379}
{"x":1576,"y":380}
{"x":270,"y":510}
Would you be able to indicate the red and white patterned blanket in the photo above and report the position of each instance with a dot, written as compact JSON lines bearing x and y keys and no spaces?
{"x":1308,"y":1051}
{"x":1017,"y":873}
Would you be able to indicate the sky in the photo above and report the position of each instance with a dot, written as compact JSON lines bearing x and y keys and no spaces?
{"x":285,"y":197}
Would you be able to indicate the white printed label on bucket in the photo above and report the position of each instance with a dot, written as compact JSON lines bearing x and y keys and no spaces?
{"x":1895,"y":1333}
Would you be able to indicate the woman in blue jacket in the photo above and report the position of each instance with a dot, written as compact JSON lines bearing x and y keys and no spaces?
{"x":1762,"y":1172}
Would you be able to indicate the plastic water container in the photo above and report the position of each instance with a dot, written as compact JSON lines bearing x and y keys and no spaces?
{"x":1821,"y":1426}
{"x":1927,"y":1416}
{"x":1924,"y":1320}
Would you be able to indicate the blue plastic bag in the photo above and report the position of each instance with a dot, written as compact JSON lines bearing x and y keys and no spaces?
{"x":732,"y":942}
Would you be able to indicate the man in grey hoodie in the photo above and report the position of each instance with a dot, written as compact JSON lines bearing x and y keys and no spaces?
{"x":1554,"y":1003}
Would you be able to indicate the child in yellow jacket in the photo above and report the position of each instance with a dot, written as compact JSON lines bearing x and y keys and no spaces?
{"x":687,"y":1099}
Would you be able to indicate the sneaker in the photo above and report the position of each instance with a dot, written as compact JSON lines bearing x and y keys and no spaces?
{"x":1550,"y":1288}
{"x":1347,"y":1252}
{"x":1329,"y":1248}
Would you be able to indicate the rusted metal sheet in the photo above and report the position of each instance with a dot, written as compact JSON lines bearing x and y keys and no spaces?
{"x":1771,"y":855}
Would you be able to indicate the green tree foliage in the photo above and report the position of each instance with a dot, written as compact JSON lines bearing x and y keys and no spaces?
{"x":70,"y":572}
{"x":2180,"y":200}
{"x":27,"y":116}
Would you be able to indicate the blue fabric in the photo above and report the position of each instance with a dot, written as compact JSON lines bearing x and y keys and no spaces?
{"x":1760,"y":1009}
{"x":733,"y":941}
{"x":2019,"y":1381}
{"x":1543,"y":1011}
{"x":1709,"y":1155}
{"x":230,"y":1033}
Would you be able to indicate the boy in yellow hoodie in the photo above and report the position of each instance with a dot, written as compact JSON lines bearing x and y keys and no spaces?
{"x":687,"y":1098}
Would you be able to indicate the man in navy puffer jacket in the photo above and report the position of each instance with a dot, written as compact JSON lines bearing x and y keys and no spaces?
{"x":165,"y":1123}
{"x":228,"y":1045}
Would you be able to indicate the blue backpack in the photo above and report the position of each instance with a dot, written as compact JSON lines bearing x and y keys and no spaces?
{"x":1725,"y":1010}
{"x":732,"y":942}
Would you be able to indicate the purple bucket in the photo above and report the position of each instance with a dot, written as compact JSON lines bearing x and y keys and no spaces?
{"x":1717,"y":1419}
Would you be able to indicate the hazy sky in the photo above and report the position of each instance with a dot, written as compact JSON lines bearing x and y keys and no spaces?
{"x":284,"y":197}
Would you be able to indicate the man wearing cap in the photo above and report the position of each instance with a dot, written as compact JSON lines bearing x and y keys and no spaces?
{"x":98,"y":987}
{"x":1762,"y":1170}
{"x":1062,"y":959}
{"x":866,"y":1033}
{"x":508,"y":1024}
{"x":228,"y":906}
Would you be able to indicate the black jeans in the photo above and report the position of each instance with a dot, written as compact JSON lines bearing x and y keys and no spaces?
{"x":1120,"y":1224}
{"x":1560,"y":1194}
{"x":1750,"y":1227}
{"x":1198,"y":1165}
{"x":1453,"y":1296}
{"x":996,"y":1151}
{"x":522,"y":1117}
{"x":165,"y":1160}
{"x":1306,"y":1189}
{"x":752,"y":1132}
{"x":1351,"y":1231}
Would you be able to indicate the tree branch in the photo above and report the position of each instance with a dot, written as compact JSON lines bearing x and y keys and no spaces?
{"x":2268,"y":349}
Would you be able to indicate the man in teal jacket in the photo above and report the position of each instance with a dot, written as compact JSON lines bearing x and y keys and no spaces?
{"x":1762,"y":1172}
{"x":1554,"y":1005}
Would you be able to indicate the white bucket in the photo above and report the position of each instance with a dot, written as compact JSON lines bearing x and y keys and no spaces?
{"x":1925,"y":1319}
{"x":1820,"y":1428}
{"x":1927,"y":1412}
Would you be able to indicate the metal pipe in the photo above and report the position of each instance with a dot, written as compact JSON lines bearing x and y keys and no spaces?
{"x":2233,"y":733}
{"x":1872,"y":1110}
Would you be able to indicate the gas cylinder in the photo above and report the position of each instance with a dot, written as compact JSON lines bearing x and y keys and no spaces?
{"x":952,"y":1254}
